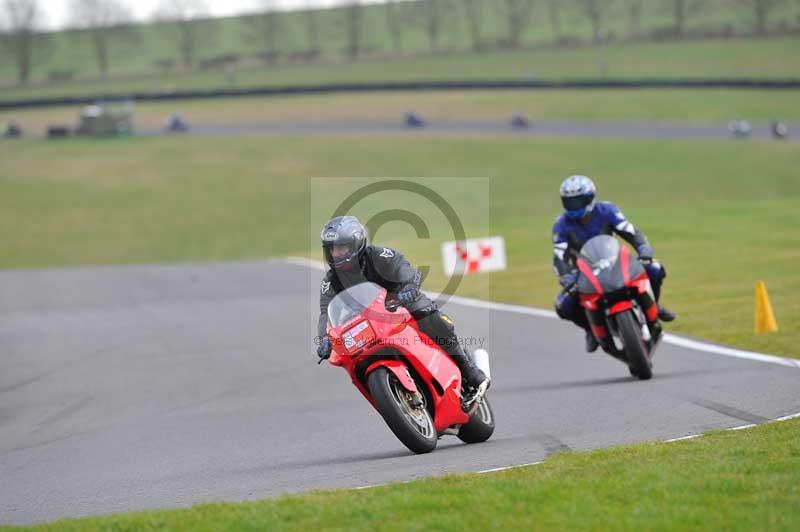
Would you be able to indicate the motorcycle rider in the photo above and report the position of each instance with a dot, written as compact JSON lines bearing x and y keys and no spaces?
{"x":352,"y":260}
{"x":584,"y":218}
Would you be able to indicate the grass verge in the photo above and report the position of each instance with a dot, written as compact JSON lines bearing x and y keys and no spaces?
{"x":731,"y":480}
{"x":721,"y":215}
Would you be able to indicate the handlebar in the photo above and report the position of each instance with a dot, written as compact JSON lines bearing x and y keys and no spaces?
{"x":571,"y":289}
{"x":392,"y":305}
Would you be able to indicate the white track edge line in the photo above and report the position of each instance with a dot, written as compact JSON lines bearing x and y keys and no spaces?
{"x":729,"y":351}
{"x":669,"y":338}
{"x":506,"y":468}
{"x":786,"y":418}
{"x":682,"y":438}
{"x":671,"y":440}
{"x":740,"y":427}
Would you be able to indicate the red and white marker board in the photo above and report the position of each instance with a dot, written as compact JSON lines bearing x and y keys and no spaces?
{"x":474,"y":255}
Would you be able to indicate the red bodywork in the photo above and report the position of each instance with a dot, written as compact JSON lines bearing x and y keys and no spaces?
{"x":641,"y":283}
{"x":380,"y":336}
{"x":593,"y":303}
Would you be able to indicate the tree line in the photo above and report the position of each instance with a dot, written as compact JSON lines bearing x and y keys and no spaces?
{"x":108,"y":24}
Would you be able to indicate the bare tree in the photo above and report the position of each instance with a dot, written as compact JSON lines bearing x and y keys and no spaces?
{"x":594,"y":11}
{"x":264,"y":28}
{"x":554,"y":14}
{"x":353,"y":13}
{"x":474,"y":12}
{"x":103,"y":21}
{"x":21,"y":35}
{"x":635,"y":16}
{"x":312,"y":30}
{"x":433,"y":19}
{"x":761,"y":10}
{"x":185,"y":27}
{"x":394,"y":22}
{"x":682,"y":10}
{"x":518,"y":15}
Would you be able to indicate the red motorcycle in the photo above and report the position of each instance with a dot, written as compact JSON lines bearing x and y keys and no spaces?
{"x":411,"y":381}
{"x":615,"y":292}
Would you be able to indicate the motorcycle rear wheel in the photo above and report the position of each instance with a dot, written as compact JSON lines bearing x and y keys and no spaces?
{"x":413,"y":426}
{"x":480,"y":426}
{"x":635,"y":348}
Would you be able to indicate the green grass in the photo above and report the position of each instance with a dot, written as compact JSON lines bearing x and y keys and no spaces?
{"x":756,"y":58}
{"x":734,"y":480}
{"x":615,"y":105}
{"x":721,"y":215}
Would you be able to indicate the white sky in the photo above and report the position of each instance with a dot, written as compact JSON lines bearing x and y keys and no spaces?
{"x":57,"y":11}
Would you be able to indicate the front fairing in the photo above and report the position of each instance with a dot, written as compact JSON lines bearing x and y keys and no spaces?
{"x":396,"y":335}
{"x":605,"y":267}
{"x":358,"y":320}
{"x":610,"y":277}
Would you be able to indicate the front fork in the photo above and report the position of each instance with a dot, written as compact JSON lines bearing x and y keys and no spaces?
{"x":646,"y":310}
{"x":649,"y":310}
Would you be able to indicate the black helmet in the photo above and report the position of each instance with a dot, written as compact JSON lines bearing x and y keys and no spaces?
{"x":343,"y":231}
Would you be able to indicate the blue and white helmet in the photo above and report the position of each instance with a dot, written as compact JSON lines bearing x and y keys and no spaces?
{"x":577,"y":196}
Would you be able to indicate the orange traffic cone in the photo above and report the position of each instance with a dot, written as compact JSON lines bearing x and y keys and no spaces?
{"x":765,"y":319}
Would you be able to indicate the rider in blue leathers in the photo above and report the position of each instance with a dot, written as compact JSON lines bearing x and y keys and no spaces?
{"x":584,"y":218}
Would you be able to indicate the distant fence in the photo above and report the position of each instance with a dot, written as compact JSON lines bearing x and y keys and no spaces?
{"x":730,"y":83}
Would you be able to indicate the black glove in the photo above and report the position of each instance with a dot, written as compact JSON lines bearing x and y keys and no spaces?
{"x":324,"y":349}
{"x":645,"y":253}
{"x":407,"y":294}
{"x":568,"y":279}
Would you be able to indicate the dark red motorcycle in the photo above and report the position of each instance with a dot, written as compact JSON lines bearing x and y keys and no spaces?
{"x":615,"y":291}
{"x":407,"y":377}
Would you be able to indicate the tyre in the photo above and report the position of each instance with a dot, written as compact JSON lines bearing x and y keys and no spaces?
{"x":635,"y":348}
{"x":413,"y":425}
{"x":480,"y":426}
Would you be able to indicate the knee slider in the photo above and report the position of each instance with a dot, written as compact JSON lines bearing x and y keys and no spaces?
{"x":656,"y":270}
{"x":561,"y":308}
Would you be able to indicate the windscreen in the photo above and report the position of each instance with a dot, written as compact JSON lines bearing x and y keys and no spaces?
{"x":351,"y":302}
{"x":602,"y":249}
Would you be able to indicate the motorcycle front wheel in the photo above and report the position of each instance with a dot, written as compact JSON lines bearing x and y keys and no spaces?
{"x":412,"y":424}
{"x":635,"y":348}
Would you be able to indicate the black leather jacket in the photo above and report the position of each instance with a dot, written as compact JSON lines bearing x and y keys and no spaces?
{"x":384,"y":266}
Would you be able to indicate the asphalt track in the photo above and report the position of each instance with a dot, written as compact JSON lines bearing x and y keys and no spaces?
{"x":635,"y":130}
{"x":136,"y":387}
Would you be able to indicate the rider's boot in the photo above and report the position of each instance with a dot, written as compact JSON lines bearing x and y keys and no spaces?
{"x":656,"y":331}
{"x":591,"y":342}
{"x":665,"y":314}
{"x":473,"y":375}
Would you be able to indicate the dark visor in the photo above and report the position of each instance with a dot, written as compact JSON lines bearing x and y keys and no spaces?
{"x":328,"y":249}
{"x":576,"y":202}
